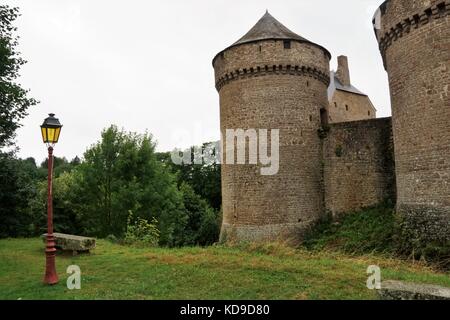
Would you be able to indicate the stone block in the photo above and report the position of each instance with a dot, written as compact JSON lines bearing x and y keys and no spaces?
{"x":68,"y":242}
{"x":398,"y":290}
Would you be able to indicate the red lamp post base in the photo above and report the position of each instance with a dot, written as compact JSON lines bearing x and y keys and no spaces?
{"x":51,"y":277}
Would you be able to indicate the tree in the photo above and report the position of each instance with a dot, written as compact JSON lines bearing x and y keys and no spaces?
{"x":121,"y":174}
{"x":13,"y":98}
{"x":66,"y":205}
{"x":60,"y":165}
{"x":17,"y":189}
{"x":203,"y":178}
{"x":203,"y":225}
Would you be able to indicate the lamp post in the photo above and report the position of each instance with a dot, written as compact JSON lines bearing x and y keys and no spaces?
{"x":50,"y":129}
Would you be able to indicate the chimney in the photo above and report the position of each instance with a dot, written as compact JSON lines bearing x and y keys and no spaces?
{"x":342,"y":73}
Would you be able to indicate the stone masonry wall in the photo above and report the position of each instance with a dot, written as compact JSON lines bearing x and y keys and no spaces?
{"x":358,"y":165}
{"x":414,"y":39}
{"x":265,"y":86}
{"x":359,"y":107}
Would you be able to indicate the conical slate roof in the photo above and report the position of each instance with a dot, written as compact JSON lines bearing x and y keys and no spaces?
{"x":269,"y":28}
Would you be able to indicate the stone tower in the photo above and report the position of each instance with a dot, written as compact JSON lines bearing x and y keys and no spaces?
{"x":414,"y":40}
{"x":271,"y":79}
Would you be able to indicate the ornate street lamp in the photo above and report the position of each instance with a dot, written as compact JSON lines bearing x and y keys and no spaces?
{"x":50,"y":129}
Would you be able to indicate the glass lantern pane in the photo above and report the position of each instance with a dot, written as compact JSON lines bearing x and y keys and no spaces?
{"x":57,"y":132}
{"x":51,"y":135}
{"x":44,"y":134}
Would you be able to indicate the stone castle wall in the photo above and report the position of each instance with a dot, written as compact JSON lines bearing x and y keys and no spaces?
{"x":262,"y":85}
{"x":346,"y":106}
{"x":414,"y":38}
{"x":359,"y":168}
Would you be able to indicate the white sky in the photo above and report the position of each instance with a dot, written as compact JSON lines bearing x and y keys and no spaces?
{"x":146,"y":65}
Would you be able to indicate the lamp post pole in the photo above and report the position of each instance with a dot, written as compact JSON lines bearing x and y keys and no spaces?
{"x":50,"y":129}
{"x":50,"y":251}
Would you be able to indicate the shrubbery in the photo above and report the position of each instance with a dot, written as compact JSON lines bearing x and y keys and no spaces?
{"x":141,"y":232}
{"x":366,"y":231}
{"x":378,"y":230}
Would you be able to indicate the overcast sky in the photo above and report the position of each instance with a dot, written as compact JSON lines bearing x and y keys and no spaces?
{"x":146,"y":65}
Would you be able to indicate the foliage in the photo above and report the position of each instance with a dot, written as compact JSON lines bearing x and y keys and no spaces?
{"x":17,"y":189}
{"x":203,"y":178}
{"x":141,"y":232}
{"x":13,"y":98}
{"x":60,"y":165}
{"x":380,"y":229}
{"x":366,"y":231}
{"x":121,"y":173}
{"x":66,"y":207}
{"x":203,"y":225}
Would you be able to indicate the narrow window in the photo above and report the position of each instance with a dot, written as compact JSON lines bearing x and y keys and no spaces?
{"x":323,"y":117}
{"x":260,"y":48}
{"x":335,"y":104}
{"x":310,"y":118}
{"x":368,"y":113}
{"x":346,"y":107}
{"x":307,"y":83}
{"x":287,"y":44}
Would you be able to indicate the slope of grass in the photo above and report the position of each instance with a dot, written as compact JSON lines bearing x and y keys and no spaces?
{"x":272,"y":271}
{"x":376,"y":230}
{"x":368,"y":231}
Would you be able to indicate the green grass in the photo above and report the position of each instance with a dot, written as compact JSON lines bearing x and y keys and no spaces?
{"x":376,"y":230}
{"x":367,"y":231}
{"x":271,"y":271}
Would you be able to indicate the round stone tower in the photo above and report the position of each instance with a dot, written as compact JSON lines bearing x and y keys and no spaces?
{"x":414,"y":40}
{"x":273,"y":79}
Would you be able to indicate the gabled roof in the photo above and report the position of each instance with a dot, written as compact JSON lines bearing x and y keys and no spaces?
{"x":335,"y":84}
{"x":269,"y":28}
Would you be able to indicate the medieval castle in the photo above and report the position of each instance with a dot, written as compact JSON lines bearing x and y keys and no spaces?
{"x":335,"y":155}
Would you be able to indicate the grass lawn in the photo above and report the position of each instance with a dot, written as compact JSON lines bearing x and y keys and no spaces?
{"x":113,"y":271}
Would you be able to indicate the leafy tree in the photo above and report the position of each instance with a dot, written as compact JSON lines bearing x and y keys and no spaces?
{"x":203,"y":225}
{"x":17,"y":189}
{"x":121,"y":173}
{"x":14,"y":101}
{"x":66,"y":207}
{"x":203,"y":178}
{"x":60,"y":165}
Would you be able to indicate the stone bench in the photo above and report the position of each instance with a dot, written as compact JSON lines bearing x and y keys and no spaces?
{"x":69,"y":242}
{"x":398,"y":290}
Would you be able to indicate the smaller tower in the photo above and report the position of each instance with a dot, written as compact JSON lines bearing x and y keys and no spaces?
{"x":346,"y":102}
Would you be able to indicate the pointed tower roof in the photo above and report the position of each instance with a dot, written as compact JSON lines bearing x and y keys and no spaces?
{"x":269,"y":28}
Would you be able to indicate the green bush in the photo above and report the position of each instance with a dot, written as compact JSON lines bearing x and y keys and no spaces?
{"x":141,"y":232}
{"x":381,"y":230}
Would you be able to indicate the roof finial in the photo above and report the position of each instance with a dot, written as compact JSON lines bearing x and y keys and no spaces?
{"x":267,"y":10}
